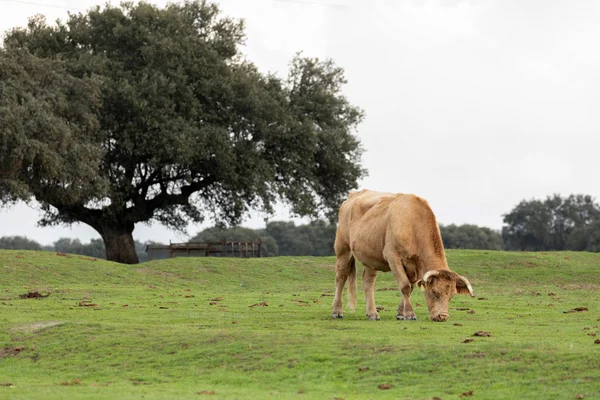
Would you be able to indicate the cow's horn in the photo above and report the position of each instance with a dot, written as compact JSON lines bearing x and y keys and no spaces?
{"x":466,"y":281}
{"x":429,"y":274}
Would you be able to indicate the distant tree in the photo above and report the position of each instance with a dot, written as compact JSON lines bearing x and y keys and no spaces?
{"x":324,"y":234}
{"x":546,"y":225}
{"x":527,"y":226}
{"x":315,"y":239}
{"x":68,"y":246}
{"x":585,"y":238}
{"x":18,"y":243}
{"x":137,"y":113}
{"x":219,"y":234}
{"x":470,"y":237}
{"x":95,"y":248}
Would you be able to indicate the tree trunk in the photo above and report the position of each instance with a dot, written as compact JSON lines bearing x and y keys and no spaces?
{"x":119,"y":245}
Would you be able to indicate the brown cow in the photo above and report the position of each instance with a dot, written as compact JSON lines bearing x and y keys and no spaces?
{"x":398,"y":233}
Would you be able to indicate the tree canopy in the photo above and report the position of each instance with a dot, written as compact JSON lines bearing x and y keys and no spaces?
{"x":470,"y":237}
{"x":556,"y":223}
{"x":135,"y":113}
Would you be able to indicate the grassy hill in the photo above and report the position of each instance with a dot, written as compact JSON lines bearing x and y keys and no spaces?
{"x":260,"y":328}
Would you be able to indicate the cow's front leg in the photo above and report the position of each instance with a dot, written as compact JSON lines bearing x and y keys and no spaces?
{"x":405,"y":309}
{"x":369,"y":276}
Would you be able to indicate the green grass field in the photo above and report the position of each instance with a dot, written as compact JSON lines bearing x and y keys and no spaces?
{"x":224,"y":328}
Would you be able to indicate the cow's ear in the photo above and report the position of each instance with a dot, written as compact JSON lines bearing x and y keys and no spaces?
{"x":421,"y":284}
{"x":464,"y":287}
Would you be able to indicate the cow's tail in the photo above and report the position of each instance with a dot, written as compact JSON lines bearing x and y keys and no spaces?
{"x":352,"y":285}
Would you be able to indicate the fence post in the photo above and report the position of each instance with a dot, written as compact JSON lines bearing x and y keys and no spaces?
{"x":259,"y":248}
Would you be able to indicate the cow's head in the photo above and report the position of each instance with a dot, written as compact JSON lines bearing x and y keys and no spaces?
{"x":439,"y":288}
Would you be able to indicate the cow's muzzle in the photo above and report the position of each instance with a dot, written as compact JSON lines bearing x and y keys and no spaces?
{"x":441,"y":317}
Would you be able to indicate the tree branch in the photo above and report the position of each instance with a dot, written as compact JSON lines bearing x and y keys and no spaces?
{"x":145,"y":209}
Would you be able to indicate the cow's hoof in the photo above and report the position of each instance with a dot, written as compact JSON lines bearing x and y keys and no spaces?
{"x":405,"y":318}
{"x":337,"y":316}
{"x":373,"y":317}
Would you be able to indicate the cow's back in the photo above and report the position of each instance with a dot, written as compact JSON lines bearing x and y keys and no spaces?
{"x":371,"y":223}
{"x":355,"y":207}
{"x":362,"y":225}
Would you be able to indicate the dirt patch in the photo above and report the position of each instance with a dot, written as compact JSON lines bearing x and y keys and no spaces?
{"x":482,"y":334}
{"x":88,"y":258}
{"x":597,"y":341}
{"x":7,"y":384}
{"x":467,"y":394}
{"x":385,"y":288}
{"x":87,"y":303}
{"x":468,"y":340}
{"x":528,"y":264}
{"x":385,"y":386}
{"x":363,"y":369}
{"x":206,"y":392}
{"x":475,"y":355}
{"x":34,"y":295}
{"x":11,"y":351}
{"x":577,"y":309}
{"x":263,"y":304}
{"x":74,"y":382}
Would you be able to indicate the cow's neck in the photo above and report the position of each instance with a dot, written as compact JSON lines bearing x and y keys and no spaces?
{"x":433,"y":262}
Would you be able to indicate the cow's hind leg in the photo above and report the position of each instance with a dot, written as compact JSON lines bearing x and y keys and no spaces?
{"x":369,"y":276}
{"x":405,"y":309}
{"x":344,"y":268}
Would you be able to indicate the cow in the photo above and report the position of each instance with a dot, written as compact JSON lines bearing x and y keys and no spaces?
{"x":393,"y":232}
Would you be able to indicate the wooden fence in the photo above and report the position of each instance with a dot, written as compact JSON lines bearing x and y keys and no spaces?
{"x":205,"y":249}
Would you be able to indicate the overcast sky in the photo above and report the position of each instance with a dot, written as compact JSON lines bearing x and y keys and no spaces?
{"x":473,"y":105}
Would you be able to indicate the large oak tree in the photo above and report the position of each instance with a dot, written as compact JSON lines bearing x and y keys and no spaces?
{"x":136,"y":113}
